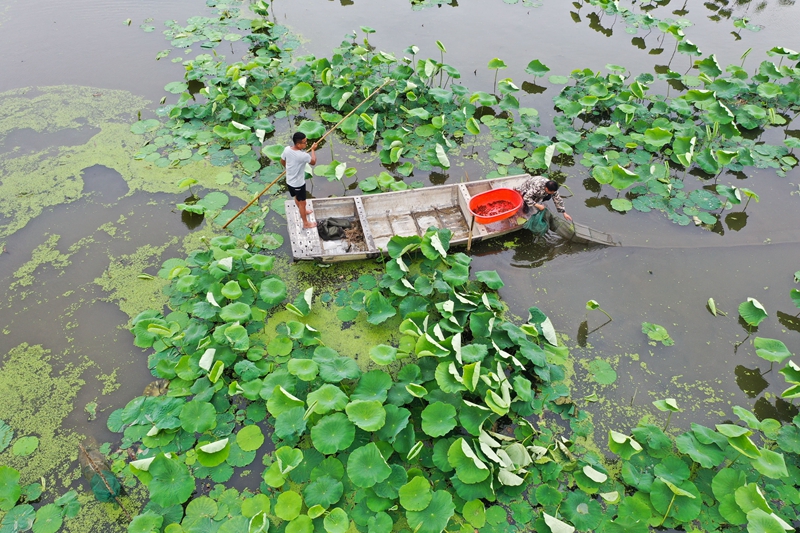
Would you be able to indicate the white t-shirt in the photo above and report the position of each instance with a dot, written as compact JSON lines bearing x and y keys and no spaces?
{"x":296,"y":161}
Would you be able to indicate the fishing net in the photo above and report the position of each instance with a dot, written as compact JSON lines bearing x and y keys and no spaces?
{"x":540,"y":222}
{"x":97,"y":472}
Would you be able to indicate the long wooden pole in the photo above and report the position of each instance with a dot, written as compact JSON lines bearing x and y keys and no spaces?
{"x":254,"y":200}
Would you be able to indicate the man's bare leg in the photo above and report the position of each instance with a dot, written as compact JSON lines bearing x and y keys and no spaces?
{"x":301,"y":206}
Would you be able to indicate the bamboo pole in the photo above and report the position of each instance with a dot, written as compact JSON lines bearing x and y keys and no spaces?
{"x":99,"y":472}
{"x":254,"y":200}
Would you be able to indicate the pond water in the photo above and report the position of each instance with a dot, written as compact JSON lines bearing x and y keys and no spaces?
{"x":59,"y":252}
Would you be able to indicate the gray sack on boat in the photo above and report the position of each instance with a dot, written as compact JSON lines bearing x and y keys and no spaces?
{"x":332,"y":229}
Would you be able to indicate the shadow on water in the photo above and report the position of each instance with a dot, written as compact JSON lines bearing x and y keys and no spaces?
{"x":750,"y":380}
{"x":103,"y":184}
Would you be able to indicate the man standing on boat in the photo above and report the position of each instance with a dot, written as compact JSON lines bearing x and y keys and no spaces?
{"x":537,"y":190}
{"x":294,"y":160}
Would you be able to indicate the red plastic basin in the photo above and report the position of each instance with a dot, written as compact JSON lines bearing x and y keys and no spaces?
{"x":494,"y":205}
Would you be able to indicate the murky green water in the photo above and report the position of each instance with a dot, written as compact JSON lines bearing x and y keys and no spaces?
{"x":79,"y":220}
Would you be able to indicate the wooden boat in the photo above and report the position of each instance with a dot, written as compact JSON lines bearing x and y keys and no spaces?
{"x":405,"y":213}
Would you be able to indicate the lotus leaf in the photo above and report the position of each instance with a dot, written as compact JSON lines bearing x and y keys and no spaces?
{"x":171,"y":481}
{"x":374,"y":385}
{"x":235,"y":312}
{"x":438,"y":419}
{"x":25,"y":446}
{"x":250,"y":438}
{"x":434,"y":518}
{"x":469,"y":468}
{"x":335,"y":368}
{"x":549,"y":497}
{"x":49,"y":520}
{"x":333,"y":433}
{"x":272,"y":291}
{"x":324,"y":491}
{"x":752,"y":312}
{"x":369,"y":415}
{"x":327,"y":398}
{"x":290,"y":423}
{"x":313,"y":130}
{"x":305,"y":369}
{"x":198,"y":416}
{"x":10,"y":489}
{"x":682,"y":501}
{"x":707,"y":455}
{"x":584,"y":513}
{"x":759,"y":521}
{"x":771,"y":350}
{"x":366,"y":466}
{"x":19,"y":518}
{"x":336,"y":521}
{"x":770,"y":464}
{"x":416,"y":495}
{"x":282,"y":400}
{"x":383,"y":354}
{"x":213,"y":454}
{"x":288,"y":505}
{"x":280,"y":345}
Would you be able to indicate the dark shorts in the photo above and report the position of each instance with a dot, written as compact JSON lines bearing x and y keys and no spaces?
{"x":298,"y":193}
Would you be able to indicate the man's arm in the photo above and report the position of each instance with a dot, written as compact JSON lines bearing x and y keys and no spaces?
{"x":313,"y":154}
{"x":560,"y":205}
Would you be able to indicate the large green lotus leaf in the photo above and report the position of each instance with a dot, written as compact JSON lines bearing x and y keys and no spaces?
{"x":257,"y":504}
{"x":235,"y":312}
{"x":749,"y":497}
{"x":288,"y":458}
{"x":657,"y":137}
{"x":49,"y":520}
{"x":171,"y":482}
{"x":416,"y":495}
{"x":369,"y":415}
{"x":378,"y":308}
{"x":337,"y":368}
{"x":685,"y":508}
{"x":290,"y":423}
{"x":305,"y":369}
{"x":549,"y":497}
{"x":324,"y":491}
{"x":705,"y":199}
{"x":772,"y":350}
{"x":143,"y":523}
{"x":789,"y":439}
{"x":745,"y":446}
{"x":232,"y":290}
{"x":330,"y":466}
{"x":383,"y":354}
{"x":302,"y":92}
{"x":622,"y":178}
{"x":280,"y":345}
{"x":438,"y":419}
{"x":490,"y":278}
{"x":250,"y":438}
{"x":474,"y":512}
{"x":282,"y":400}
{"x":434,"y":518}
{"x":583,"y":512}
{"x":288,"y":505}
{"x":312,"y":129}
{"x":336,"y":521}
{"x":213,"y":455}
{"x":237,"y":336}
{"x":374,"y":385}
{"x":752,"y":312}
{"x":366,"y":466}
{"x":759,"y":521}
{"x":261,"y":263}
{"x":469,"y":468}
{"x":10,"y":489}
{"x":197,"y":416}
{"x":726,"y":481}
{"x":327,"y":398}
{"x":19,"y":518}
{"x":770,"y":464}
{"x":396,"y":420}
{"x":272,"y":291}
{"x":707,"y":455}
{"x":333,"y":433}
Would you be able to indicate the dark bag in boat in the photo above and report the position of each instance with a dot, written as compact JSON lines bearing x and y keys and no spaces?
{"x":332,"y":229}
{"x":537,"y":224}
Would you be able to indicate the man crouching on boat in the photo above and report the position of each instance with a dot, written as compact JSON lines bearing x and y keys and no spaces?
{"x":294,"y":159}
{"x":537,"y":190}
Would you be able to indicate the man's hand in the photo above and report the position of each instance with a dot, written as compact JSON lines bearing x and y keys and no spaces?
{"x":566,"y":215}
{"x":540,"y":207}
{"x":313,"y":147}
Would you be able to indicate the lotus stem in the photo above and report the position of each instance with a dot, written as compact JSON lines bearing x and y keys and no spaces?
{"x":604,"y":312}
{"x":667,"y":425}
{"x":669,"y":508}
